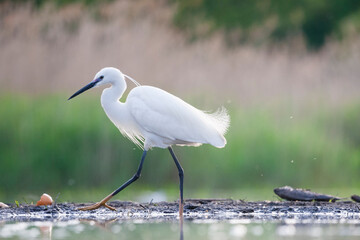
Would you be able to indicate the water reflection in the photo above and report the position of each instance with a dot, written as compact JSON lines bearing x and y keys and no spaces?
{"x":23,"y":230}
{"x":188,"y":229}
{"x":181,"y":223}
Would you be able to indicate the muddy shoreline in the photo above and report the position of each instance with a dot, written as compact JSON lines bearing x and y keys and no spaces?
{"x":194,"y":209}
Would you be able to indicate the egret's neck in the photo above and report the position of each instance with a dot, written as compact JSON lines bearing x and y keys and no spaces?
{"x":114,"y":109}
{"x":113,"y":93}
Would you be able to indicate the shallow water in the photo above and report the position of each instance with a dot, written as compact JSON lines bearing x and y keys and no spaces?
{"x":193,"y":229}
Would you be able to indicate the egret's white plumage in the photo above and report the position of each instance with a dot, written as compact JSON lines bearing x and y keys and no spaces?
{"x":156,"y":118}
{"x":151,"y":117}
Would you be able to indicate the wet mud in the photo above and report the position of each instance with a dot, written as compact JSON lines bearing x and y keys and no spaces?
{"x":194,"y":209}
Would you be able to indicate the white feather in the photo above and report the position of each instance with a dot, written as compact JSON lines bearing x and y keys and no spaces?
{"x":174,"y":121}
{"x":133,"y":80}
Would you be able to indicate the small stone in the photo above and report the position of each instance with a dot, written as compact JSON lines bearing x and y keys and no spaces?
{"x":45,"y":200}
{"x":191,"y":207}
{"x":3,"y":205}
{"x":247,"y":210}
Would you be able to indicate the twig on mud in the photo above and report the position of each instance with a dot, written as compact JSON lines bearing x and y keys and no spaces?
{"x":144,"y":207}
{"x":53,"y":205}
{"x":209,"y":199}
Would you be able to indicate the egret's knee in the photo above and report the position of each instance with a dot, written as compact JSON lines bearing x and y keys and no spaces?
{"x":136,"y":176}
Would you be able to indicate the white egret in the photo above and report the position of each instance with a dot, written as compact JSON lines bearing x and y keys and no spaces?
{"x":151,"y":117}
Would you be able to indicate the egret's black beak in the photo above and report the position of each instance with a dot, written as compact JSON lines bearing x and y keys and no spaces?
{"x":87,"y":87}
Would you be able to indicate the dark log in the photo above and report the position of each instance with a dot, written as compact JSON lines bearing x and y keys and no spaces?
{"x":356,"y":198}
{"x":298,"y":194}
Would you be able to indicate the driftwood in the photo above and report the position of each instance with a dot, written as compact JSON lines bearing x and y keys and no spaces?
{"x":298,"y":194}
{"x":355,"y":198}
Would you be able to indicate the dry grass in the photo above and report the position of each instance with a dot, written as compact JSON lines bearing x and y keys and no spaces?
{"x":61,"y":49}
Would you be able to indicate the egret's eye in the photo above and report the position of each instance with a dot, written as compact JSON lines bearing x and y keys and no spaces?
{"x":101,"y":77}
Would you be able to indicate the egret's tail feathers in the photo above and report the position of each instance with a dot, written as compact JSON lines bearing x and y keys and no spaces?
{"x":220,"y":120}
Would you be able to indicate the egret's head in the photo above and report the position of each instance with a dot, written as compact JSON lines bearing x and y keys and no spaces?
{"x":108,"y":75}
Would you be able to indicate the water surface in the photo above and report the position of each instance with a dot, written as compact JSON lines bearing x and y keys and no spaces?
{"x":193,"y":229}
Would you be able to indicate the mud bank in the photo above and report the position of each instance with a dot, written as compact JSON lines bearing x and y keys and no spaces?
{"x":195,"y":209}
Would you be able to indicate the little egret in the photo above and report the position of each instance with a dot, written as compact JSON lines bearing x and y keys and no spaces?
{"x":151,"y":117}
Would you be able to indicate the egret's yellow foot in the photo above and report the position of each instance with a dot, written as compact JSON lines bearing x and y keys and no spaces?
{"x":96,"y":206}
{"x":99,"y":204}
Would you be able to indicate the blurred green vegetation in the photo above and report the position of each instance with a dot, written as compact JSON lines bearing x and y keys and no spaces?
{"x":48,"y":143}
{"x":260,"y":20}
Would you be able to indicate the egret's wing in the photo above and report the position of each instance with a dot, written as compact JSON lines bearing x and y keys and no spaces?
{"x":168,"y":116}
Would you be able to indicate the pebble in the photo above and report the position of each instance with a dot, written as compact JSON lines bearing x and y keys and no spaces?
{"x":3,"y":205}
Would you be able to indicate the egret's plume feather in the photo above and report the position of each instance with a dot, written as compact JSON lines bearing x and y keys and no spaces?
{"x":133,"y":80}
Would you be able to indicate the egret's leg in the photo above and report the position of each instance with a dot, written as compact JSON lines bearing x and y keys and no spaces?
{"x":181,"y":176}
{"x":127,"y":183}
